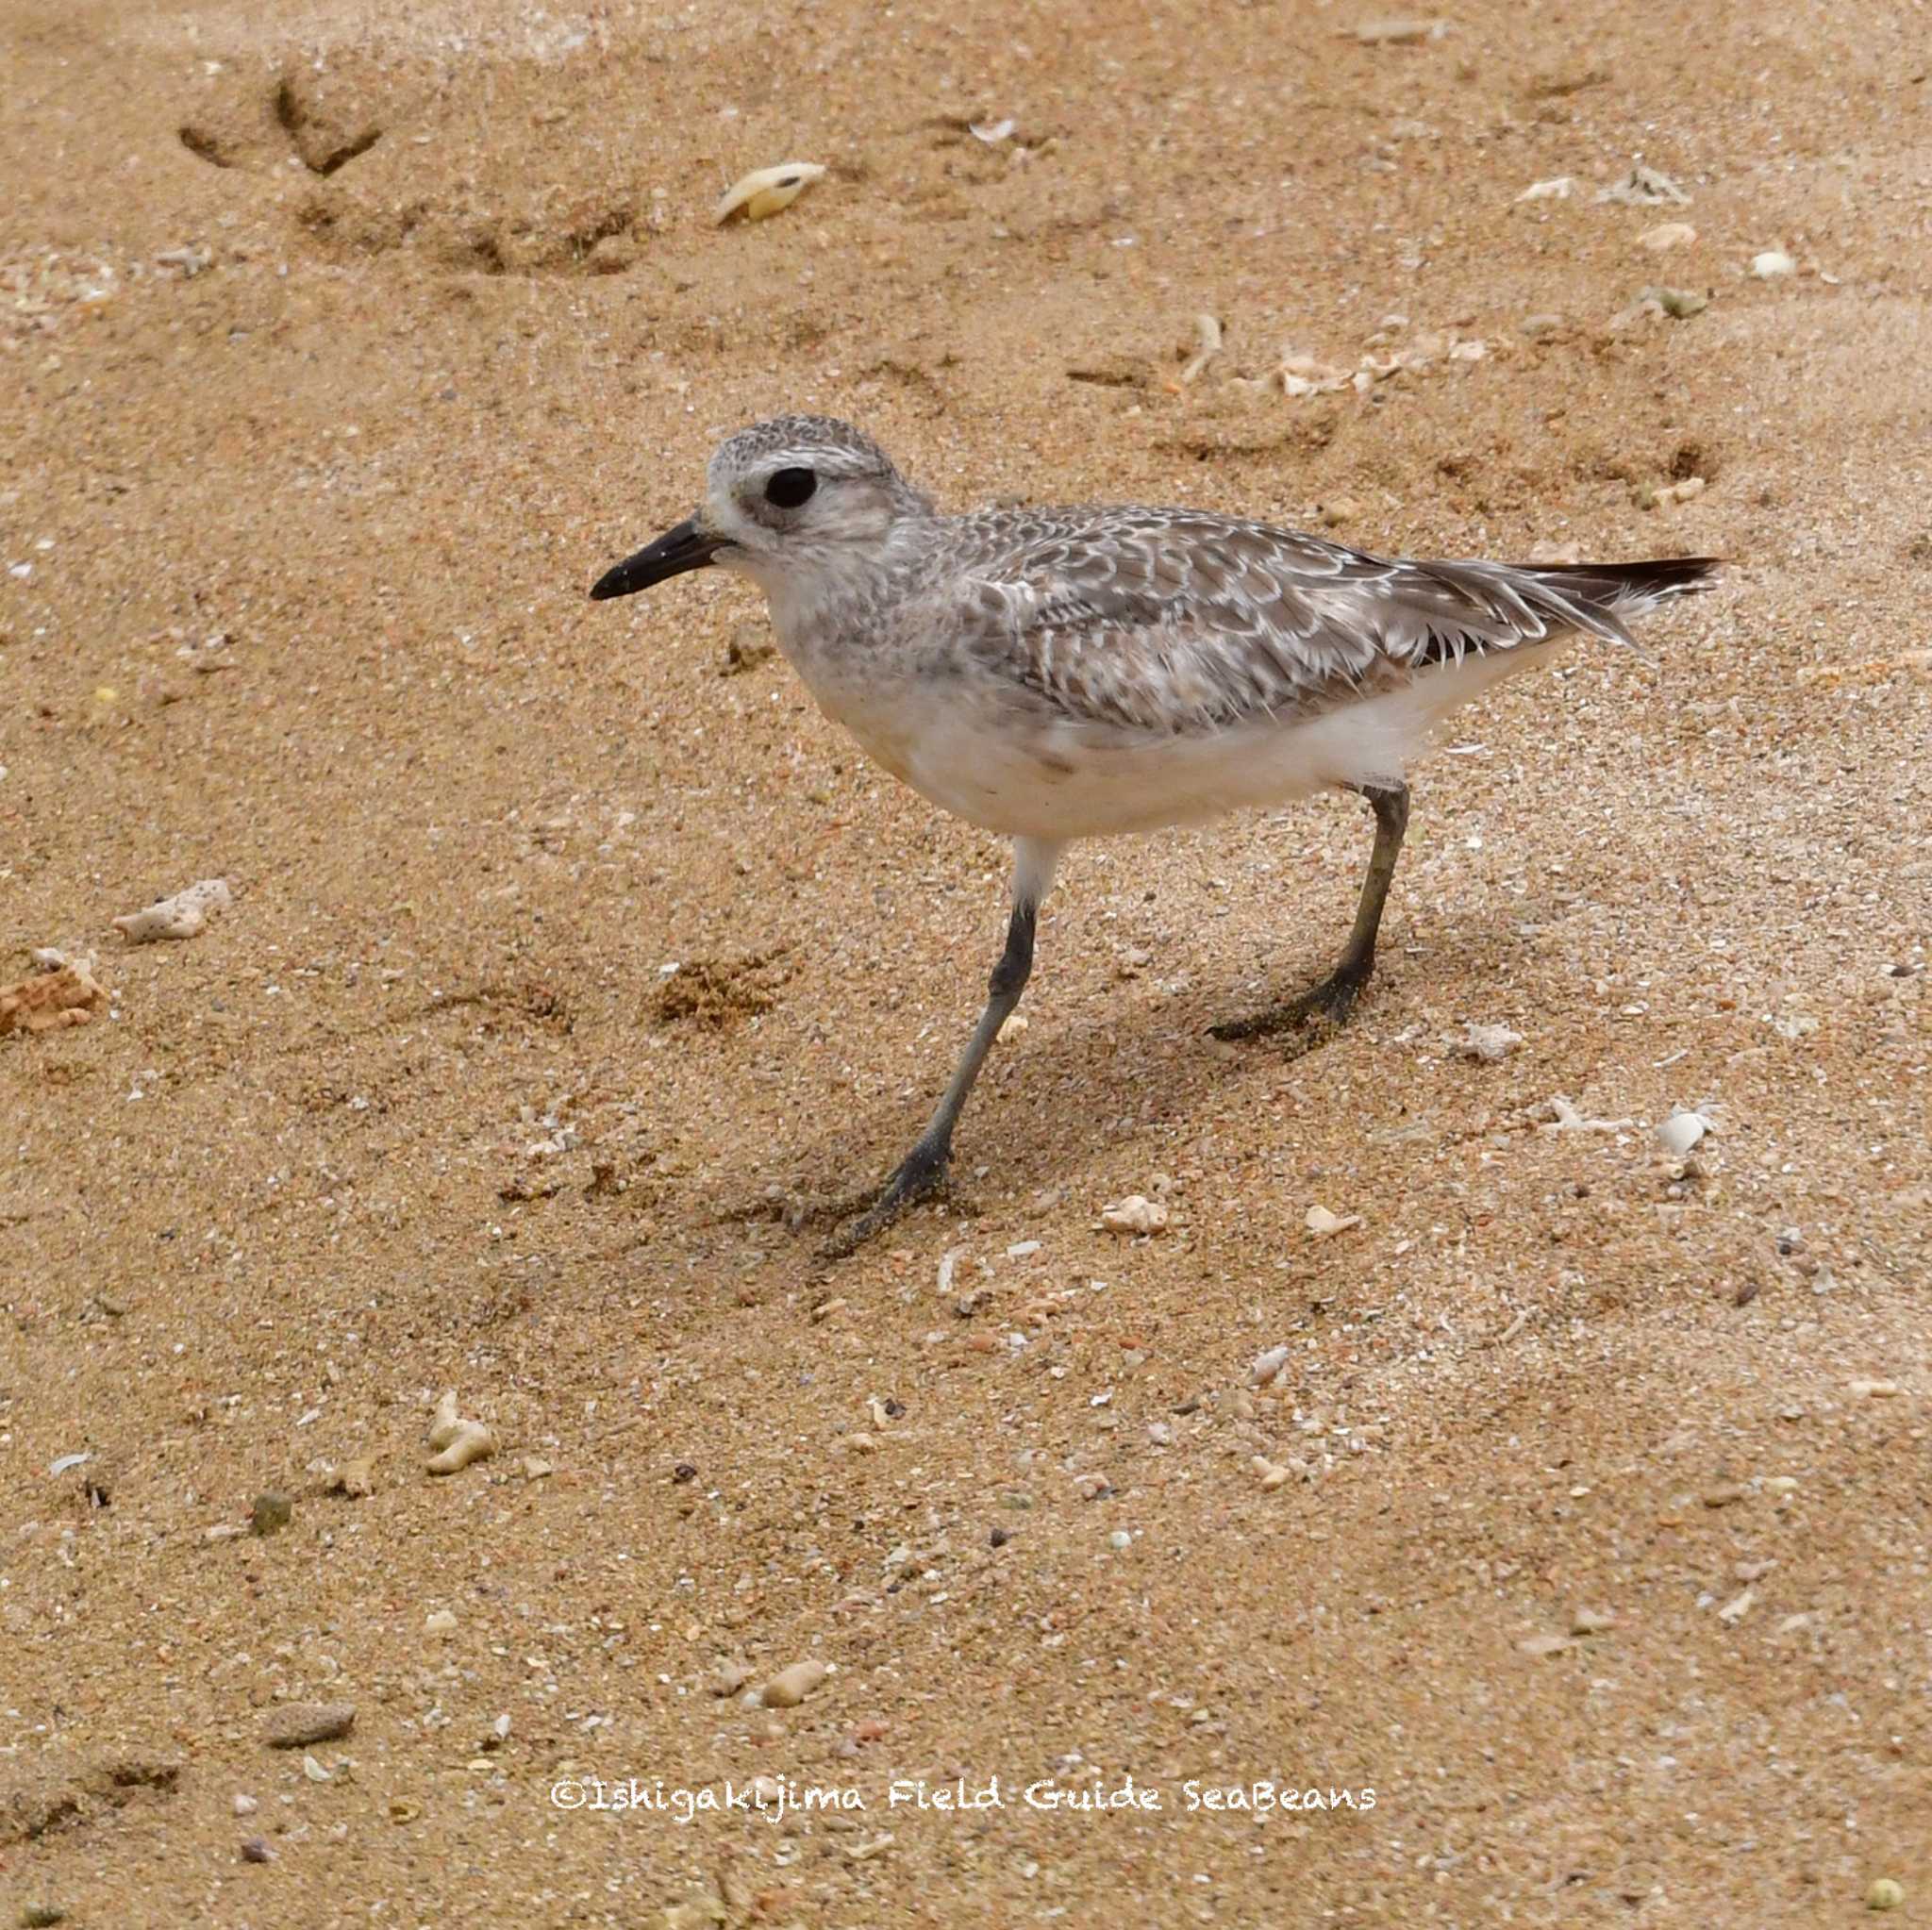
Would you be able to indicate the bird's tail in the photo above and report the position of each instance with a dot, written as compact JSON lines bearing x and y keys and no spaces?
{"x":1597,"y":596}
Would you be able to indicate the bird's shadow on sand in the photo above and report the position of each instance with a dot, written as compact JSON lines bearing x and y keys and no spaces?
{"x":1040,"y":1113}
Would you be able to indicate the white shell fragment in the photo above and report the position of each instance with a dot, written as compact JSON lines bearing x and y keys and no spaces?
{"x":455,"y":1442}
{"x":1681,"y":1132}
{"x":1566,"y":1118}
{"x":1134,"y":1214}
{"x":1772,"y":263}
{"x":1557,"y":188}
{"x":1264,"y":1367}
{"x":1322,"y":1224}
{"x":1487,"y":1042}
{"x":766,"y":191}
{"x":993,"y":132}
{"x":1395,"y":33}
{"x":1667,"y":235}
{"x":179,"y":917}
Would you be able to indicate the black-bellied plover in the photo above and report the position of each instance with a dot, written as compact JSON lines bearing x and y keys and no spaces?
{"x":1062,"y":674}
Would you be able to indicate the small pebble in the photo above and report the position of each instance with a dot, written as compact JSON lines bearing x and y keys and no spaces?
{"x":1136,"y":1214}
{"x":1593,"y":1621}
{"x":1271,"y":1475}
{"x":1874,"y":1389}
{"x":999,"y":1538}
{"x":439,"y":1622}
{"x":790,"y":1686}
{"x":1724,"y":1494}
{"x":1119,"y":1539}
{"x":300,"y":1723}
{"x":243,"y":1803}
{"x":1734,"y":1610}
{"x":1663,"y":495}
{"x":356,"y":1478}
{"x":1669,"y":234}
{"x":1544,"y":1644}
{"x":271,"y":1513}
{"x":1772,"y":264}
{"x":1884,"y":1894}
{"x":256,"y":1850}
{"x":730,"y":1676}
{"x":41,"y":1916}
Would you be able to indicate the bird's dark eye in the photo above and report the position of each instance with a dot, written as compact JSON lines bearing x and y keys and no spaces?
{"x":789,"y":487}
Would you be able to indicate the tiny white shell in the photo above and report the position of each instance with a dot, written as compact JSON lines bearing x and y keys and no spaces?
{"x":1264,"y":1367}
{"x":1322,"y":1223}
{"x":1772,"y":263}
{"x":766,"y":191}
{"x":1681,"y":1132}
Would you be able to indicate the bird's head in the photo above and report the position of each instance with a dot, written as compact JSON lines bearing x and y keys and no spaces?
{"x":785,"y":501}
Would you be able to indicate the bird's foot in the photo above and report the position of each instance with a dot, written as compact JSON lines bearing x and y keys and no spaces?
{"x":1326,"y":1006}
{"x":919,"y":1176}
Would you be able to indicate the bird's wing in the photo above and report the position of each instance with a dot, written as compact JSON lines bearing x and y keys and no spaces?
{"x":1176,"y":620}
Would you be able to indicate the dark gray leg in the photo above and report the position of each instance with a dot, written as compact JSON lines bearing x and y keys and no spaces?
{"x":1334,"y":998}
{"x":924,"y":1170}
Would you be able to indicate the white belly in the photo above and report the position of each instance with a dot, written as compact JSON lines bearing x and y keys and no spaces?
{"x":1055,"y":779}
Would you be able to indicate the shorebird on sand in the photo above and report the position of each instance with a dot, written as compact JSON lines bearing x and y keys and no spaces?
{"x":1077,"y":673}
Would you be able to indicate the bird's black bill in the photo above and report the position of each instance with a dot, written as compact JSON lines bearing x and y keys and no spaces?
{"x":687,"y":547}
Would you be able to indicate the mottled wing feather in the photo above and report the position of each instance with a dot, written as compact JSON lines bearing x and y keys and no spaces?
{"x":1173,"y":621}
